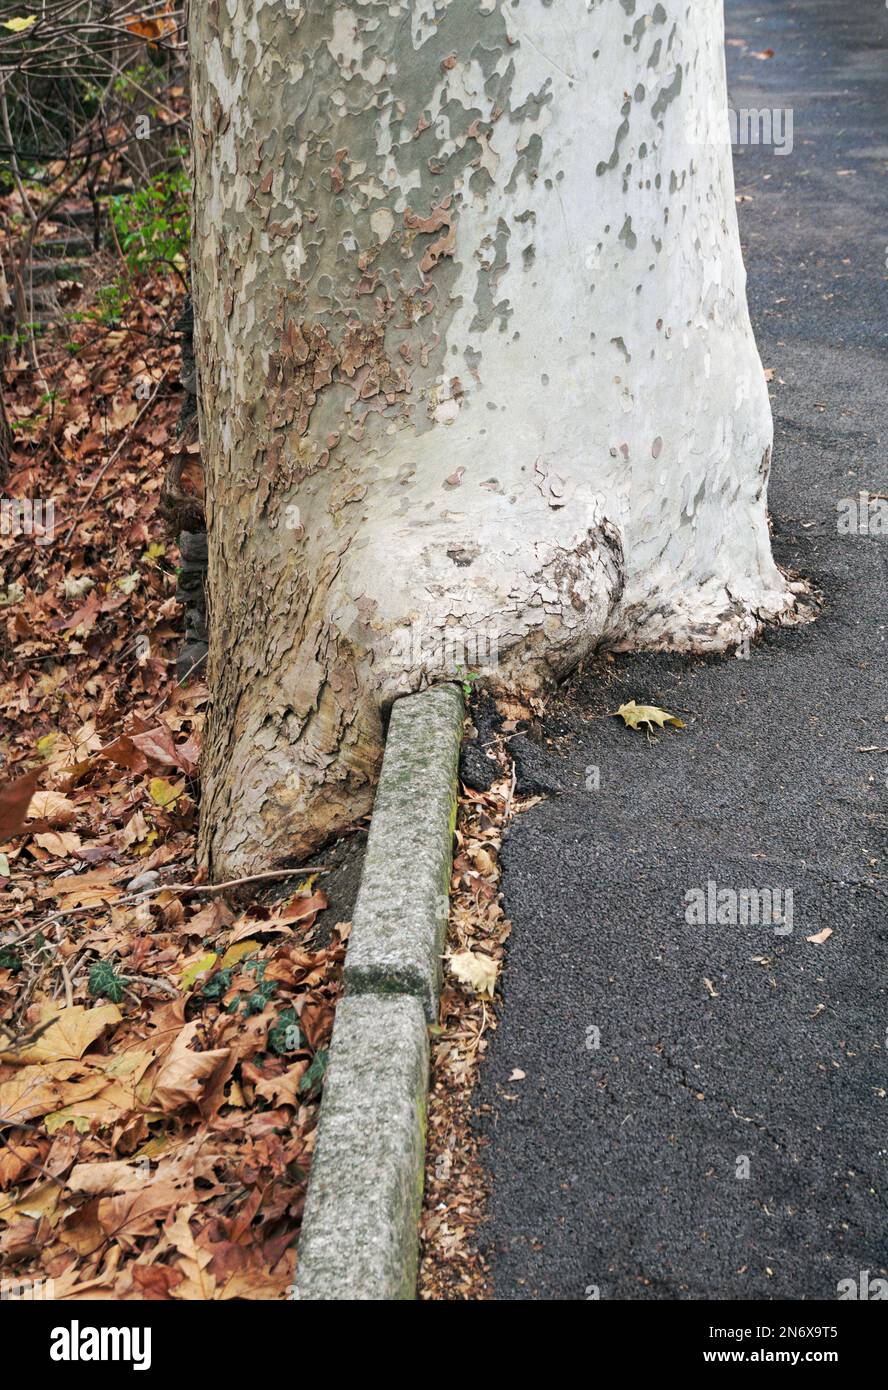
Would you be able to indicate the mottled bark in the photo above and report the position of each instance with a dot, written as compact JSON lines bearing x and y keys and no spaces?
{"x":478,"y":384}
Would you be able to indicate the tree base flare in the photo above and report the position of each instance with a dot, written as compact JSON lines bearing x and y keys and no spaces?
{"x":286,"y":789}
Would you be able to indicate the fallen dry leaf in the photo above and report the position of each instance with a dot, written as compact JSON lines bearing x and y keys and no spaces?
{"x":15,"y":798}
{"x":68,"y":1036}
{"x":113,"y":1134}
{"x":60,"y":843}
{"x":635,"y":715}
{"x":819,"y":937}
{"x":185,"y":1074}
{"x":476,"y":970}
{"x":56,"y":810}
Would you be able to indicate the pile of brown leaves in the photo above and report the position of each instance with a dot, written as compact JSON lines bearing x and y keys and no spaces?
{"x":160,"y":1056}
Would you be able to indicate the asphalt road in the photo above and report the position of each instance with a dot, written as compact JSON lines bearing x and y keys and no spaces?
{"x":728,"y":1049}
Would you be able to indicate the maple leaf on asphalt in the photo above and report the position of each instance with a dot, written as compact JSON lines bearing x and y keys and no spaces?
{"x":636,"y":715}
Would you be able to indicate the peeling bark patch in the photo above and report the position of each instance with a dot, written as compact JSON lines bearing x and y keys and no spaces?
{"x":492,"y":269}
{"x":622,"y":132}
{"x":621,"y":347}
{"x":304,"y":364}
{"x":463,"y":555}
{"x":442,"y":246}
{"x":667,"y":95}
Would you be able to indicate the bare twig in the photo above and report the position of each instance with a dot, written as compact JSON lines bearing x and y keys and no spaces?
{"x":233,"y":882}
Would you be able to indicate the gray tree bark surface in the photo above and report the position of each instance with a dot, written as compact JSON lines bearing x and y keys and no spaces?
{"x":478,"y":385}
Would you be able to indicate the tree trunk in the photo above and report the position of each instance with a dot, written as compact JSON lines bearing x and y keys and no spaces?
{"x":478,"y":385}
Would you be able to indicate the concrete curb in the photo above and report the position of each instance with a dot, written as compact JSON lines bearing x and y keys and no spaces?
{"x":400,"y":916}
{"x":360,"y":1236}
{"x":359,"y":1232}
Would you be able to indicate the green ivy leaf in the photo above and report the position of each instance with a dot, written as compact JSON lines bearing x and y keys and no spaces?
{"x":103,"y":983}
{"x":315,"y":1074}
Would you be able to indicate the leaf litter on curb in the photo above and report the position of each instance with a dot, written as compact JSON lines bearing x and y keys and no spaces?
{"x":456,"y":1185}
{"x":475,"y":969}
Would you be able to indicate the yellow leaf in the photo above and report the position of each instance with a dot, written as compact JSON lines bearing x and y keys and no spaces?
{"x":475,"y":970}
{"x":68,"y":1036}
{"x":34,"y":1091}
{"x":154,"y":551}
{"x":41,"y":1201}
{"x":636,"y":715}
{"x":46,"y":744}
{"x":235,"y":954}
{"x":153,"y":1148}
{"x":20,"y":24}
{"x":129,"y":1064}
{"x":69,"y":1116}
{"x":197,"y":967}
{"x":165,"y":793}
